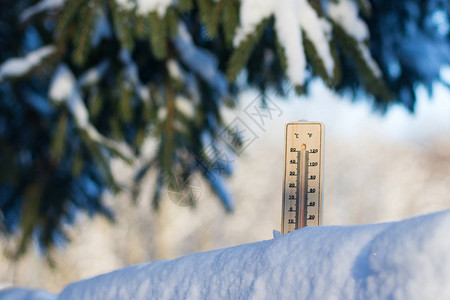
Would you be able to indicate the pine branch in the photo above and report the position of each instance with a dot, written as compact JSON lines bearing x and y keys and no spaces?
{"x":185,"y":6}
{"x":124,"y":109}
{"x":171,"y":21}
{"x":365,"y":7}
{"x":281,"y":54}
{"x":77,"y":164}
{"x":168,"y":140}
{"x":230,"y":19}
{"x":95,"y":103}
{"x":58,"y":143}
{"x":315,"y":60}
{"x":210,"y":14}
{"x":158,"y":35}
{"x":373,"y":83}
{"x":69,"y":12}
{"x":83,"y":36}
{"x":242,"y":53}
{"x":123,"y":23}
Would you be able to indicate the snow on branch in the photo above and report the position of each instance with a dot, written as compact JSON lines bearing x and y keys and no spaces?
{"x":200,"y":61}
{"x":145,"y":7}
{"x":293,"y":18}
{"x":290,"y":37}
{"x":93,"y":75}
{"x":345,"y":14}
{"x":131,"y":71}
{"x":40,"y":7}
{"x":20,"y":66}
{"x":65,"y":89}
{"x":318,"y":31}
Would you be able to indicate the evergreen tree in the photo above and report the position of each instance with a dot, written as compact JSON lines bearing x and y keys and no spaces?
{"x":84,"y":81}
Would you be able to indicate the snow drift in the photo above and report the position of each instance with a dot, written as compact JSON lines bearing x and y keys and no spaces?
{"x":402,"y":260}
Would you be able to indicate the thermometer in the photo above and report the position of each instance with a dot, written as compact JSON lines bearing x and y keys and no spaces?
{"x":303,"y":176}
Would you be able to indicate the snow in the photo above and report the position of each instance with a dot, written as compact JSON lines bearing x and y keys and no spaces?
{"x":94,"y":75}
{"x":40,"y":7}
{"x":65,"y":89}
{"x":144,"y":7}
{"x":199,"y":60}
{"x":20,"y":66}
{"x":444,"y":74}
{"x":318,"y":31}
{"x":25,"y":294}
{"x":289,"y":35}
{"x":185,"y":106}
{"x":409,"y":260}
{"x":175,"y":70}
{"x":291,"y":18}
{"x":126,"y":4}
{"x":345,"y":14}
{"x":61,"y":84}
{"x":369,"y":60}
{"x":132,"y":74}
{"x":250,"y":15}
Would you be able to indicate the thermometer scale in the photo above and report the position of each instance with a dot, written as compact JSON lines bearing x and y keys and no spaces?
{"x":302,"y":183}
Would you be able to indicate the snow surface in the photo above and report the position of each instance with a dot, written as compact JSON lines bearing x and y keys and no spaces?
{"x":400,"y":260}
{"x":20,"y":66}
{"x":26,"y":294}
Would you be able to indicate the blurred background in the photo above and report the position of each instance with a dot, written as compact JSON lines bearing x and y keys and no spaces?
{"x":118,"y":137}
{"x":377,"y":169}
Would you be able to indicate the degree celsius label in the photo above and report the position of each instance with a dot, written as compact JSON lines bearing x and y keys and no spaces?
{"x":303,"y":176}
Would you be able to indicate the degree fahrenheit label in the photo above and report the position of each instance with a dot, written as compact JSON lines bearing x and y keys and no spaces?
{"x":302,"y":183}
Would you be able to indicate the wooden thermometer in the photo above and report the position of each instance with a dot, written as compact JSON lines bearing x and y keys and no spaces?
{"x":303,"y":176}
